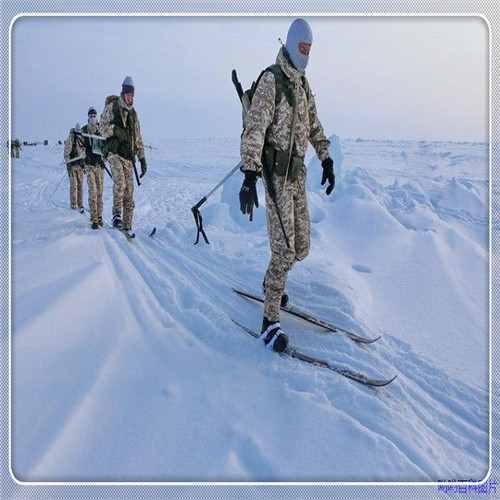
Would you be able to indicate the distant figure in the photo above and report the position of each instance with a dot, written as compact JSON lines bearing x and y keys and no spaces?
{"x":59,"y":142}
{"x":74,"y":156}
{"x":280,"y":123}
{"x":45,"y":142}
{"x":120,"y":126}
{"x":15,"y":148}
{"x":94,"y":167}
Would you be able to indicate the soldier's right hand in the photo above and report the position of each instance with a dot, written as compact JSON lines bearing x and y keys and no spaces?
{"x":248,"y":194}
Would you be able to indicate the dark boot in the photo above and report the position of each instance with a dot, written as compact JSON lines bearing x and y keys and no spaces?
{"x":117,"y":222}
{"x":273,"y":336}
{"x":95,"y":225}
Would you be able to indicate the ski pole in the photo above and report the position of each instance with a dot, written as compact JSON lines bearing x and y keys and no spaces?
{"x":51,"y":197}
{"x":135,"y":172}
{"x":107,"y":171}
{"x":195,"y":208}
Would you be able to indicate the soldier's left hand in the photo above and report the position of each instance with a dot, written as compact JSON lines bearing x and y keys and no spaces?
{"x":144,"y":167}
{"x":328,"y":174}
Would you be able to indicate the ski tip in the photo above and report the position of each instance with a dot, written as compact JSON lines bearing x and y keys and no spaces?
{"x":383,"y":383}
{"x":153,"y":232}
{"x":364,"y":340}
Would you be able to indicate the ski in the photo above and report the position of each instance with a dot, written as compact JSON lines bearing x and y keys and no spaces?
{"x":293,"y":352}
{"x":295,"y":311}
{"x":128,"y":234}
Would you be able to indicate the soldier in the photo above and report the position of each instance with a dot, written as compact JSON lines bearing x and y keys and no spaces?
{"x":94,"y":168}
{"x":281,"y":121}
{"x":120,"y":126}
{"x":15,"y":148}
{"x":74,"y":156}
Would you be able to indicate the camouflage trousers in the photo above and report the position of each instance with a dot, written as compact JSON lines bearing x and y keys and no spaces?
{"x":123,"y":188}
{"x":95,"y":181}
{"x":292,"y":204}
{"x":76,"y":174}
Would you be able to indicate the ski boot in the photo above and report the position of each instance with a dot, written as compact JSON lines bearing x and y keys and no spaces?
{"x":100,"y":222}
{"x":284,"y":297}
{"x":94,"y":225}
{"x":81,"y":210}
{"x":117,"y":222}
{"x":127,"y":230}
{"x":273,"y":336}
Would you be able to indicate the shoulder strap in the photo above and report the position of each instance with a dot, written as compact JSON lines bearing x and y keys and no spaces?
{"x":283,"y":85}
{"x":116,"y":110}
{"x":306,"y":87}
{"x":278,"y":79}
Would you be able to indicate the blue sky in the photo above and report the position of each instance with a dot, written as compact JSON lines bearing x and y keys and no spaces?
{"x":415,"y":78}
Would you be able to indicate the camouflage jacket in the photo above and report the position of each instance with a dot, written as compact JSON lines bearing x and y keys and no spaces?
{"x":271,"y":123}
{"x":107,"y":125}
{"x":74,"y":147}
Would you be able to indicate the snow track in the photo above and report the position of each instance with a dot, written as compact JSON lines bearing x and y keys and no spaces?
{"x":126,"y":365}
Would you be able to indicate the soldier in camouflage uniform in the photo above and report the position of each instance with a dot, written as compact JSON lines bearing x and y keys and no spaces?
{"x":281,"y":121}
{"x":120,"y":126}
{"x":74,"y":155}
{"x":94,"y":168}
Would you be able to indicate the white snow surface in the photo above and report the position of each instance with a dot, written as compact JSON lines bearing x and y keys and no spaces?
{"x":126,"y":365}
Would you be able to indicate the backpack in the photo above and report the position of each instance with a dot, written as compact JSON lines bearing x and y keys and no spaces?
{"x":111,"y":144}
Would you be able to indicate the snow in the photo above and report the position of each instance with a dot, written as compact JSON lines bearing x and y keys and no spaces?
{"x":126,"y":365}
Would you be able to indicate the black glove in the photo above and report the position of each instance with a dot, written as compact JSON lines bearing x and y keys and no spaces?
{"x":328,"y":175}
{"x":144,"y":167}
{"x":248,"y":193}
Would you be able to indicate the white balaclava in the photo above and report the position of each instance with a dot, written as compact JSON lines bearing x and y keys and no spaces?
{"x":298,"y":43}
